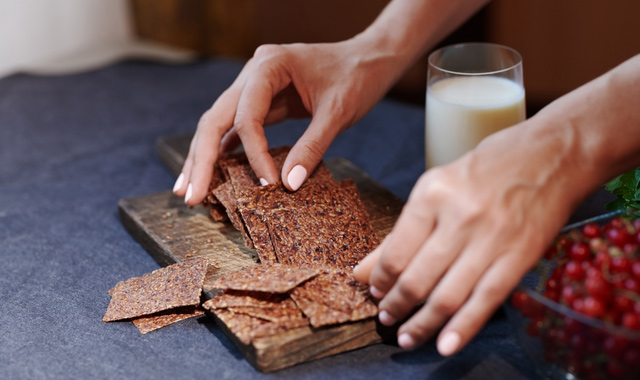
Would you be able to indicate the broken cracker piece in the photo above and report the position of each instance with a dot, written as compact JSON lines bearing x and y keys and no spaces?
{"x":333,"y":297}
{"x":272,"y":278}
{"x":166,"y":288}
{"x":155,"y":321}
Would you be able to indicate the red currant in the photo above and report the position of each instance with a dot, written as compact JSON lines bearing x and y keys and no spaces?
{"x":619,"y":236}
{"x":569,"y":295}
{"x":594,"y":307}
{"x":574,"y":271}
{"x":591,"y":230}
{"x":631,"y":321}
{"x":579,"y":251}
{"x":622,"y":303}
{"x":597,"y":287}
{"x":620,"y":264}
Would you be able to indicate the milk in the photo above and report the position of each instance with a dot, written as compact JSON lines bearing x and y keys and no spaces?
{"x":461,"y":111}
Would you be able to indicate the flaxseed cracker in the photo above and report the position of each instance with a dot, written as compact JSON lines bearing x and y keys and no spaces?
{"x":273,"y":307}
{"x":225,"y":195}
{"x":164,"y":318}
{"x":256,"y":202}
{"x":166,"y":288}
{"x":272,"y":278}
{"x":331,"y":229}
{"x":333,"y":297}
{"x":239,"y":298}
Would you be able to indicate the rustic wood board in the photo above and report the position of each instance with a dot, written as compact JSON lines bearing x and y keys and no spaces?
{"x":172,"y":232}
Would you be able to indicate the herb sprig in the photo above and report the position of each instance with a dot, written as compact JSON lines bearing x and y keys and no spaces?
{"x":627,"y":188}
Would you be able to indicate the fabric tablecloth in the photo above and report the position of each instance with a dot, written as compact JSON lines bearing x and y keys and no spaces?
{"x":72,"y":146}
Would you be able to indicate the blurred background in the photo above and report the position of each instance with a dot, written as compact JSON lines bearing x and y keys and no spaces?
{"x":563,"y":43}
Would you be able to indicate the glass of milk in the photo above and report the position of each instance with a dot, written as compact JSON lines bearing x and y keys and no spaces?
{"x":473,"y":90}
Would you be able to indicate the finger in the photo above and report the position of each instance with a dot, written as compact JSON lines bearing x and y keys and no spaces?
{"x":492,"y":289}
{"x":213,"y":124}
{"x":422,"y":274}
{"x":446,"y":297}
{"x":307,"y":153}
{"x":230,"y":141}
{"x":287,"y":104}
{"x":413,"y":228}
{"x":362,"y":271}
{"x":253,"y":106}
{"x":180,"y":186}
{"x":219,"y":116}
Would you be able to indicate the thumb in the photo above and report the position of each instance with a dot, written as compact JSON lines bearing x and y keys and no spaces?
{"x":307,"y":153}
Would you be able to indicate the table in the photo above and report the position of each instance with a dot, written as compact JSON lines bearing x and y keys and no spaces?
{"x":72,"y":146}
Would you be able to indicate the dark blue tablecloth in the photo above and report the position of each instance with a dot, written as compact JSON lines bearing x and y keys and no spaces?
{"x":72,"y":146}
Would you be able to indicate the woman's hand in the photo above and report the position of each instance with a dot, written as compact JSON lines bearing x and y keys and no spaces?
{"x":468,"y":233}
{"x":333,"y":83}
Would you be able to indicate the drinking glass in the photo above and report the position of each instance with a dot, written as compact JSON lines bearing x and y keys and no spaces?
{"x":473,"y":90}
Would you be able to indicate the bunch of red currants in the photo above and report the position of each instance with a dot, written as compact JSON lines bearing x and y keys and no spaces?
{"x":594,"y":271}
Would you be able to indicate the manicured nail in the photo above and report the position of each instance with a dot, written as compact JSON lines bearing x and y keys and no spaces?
{"x":406,"y":341}
{"x":178,"y":184}
{"x":449,"y":343}
{"x":296,"y":176}
{"x":375,"y":292}
{"x":188,"y":195}
{"x":263,"y":182}
{"x":386,"y":318}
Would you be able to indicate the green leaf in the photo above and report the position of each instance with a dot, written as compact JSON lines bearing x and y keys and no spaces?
{"x":627,"y":188}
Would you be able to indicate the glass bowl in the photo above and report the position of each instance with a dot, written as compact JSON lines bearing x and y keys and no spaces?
{"x":564,"y":343}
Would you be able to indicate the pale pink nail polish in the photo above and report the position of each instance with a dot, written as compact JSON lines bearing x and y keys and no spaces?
{"x":406,"y":341}
{"x":386,"y":318}
{"x":178,"y":184}
{"x":449,"y":343}
{"x":375,"y":292}
{"x":263,"y":182}
{"x":296,"y":176}
{"x":189,"y":193}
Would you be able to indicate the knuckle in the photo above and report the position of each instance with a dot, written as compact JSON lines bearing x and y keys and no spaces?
{"x":492,"y":293}
{"x":390,"y":267}
{"x":313,"y":150}
{"x":409,"y":291}
{"x":267,"y":51}
{"x":445,"y":304}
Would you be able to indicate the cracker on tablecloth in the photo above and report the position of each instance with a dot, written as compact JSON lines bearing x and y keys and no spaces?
{"x":272,"y":278}
{"x":166,"y":288}
{"x":164,"y":318}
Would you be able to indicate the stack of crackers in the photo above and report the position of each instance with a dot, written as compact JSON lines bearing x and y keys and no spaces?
{"x":308,"y":242}
{"x":324,"y":222}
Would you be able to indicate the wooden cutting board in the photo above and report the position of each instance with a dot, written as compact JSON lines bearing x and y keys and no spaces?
{"x":172,"y":232}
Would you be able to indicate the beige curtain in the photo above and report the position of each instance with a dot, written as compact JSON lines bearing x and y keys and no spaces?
{"x":60,"y":36}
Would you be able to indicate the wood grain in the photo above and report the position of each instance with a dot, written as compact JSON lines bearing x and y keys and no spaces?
{"x":172,"y":232}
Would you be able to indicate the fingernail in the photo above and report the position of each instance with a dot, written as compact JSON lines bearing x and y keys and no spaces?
{"x":296,"y":176}
{"x":449,"y":343}
{"x":188,"y":195}
{"x":386,"y":318}
{"x":377,"y":293}
{"x":406,"y":341}
{"x":263,"y":182}
{"x":178,"y":184}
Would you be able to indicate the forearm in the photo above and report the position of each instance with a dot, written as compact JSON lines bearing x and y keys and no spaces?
{"x":406,"y":29}
{"x":599,"y":125}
